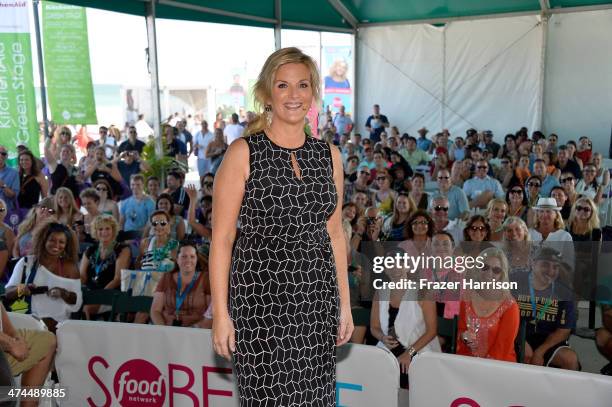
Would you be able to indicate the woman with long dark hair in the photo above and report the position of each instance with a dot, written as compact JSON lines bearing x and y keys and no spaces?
{"x":32,"y":183}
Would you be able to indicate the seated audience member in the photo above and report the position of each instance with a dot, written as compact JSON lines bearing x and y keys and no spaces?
{"x":9,"y":180}
{"x":417,"y":193}
{"x":157,"y":253}
{"x":549,"y":313}
{"x":489,"y":318}
{"x":153,"y":187}
{"x":458,"y":204}
{"x":384,"y":196}
{"x":48,"y":279}
{"x":481,"y":188}
{"x":560,"y":196}
{"x":199,"y":225}
{"x":6,"y":233}
{"x":602,"y":174}
{"x":603,"y":338}
{"x":177,"y":223}
{"x":517,"y":202}
{"x":206,"y":184}
{"x":174,"y":182}
{"x":403,"y":323}
{"x":505,"y":173}
{"x":566,"y":164}
{"x":182,"y":296}
{"x":522,"y":172}
{"x":439,"y":209}
{"x":62,"y":169}
{"x":67,"y":211}
{"x":549,"y":225}
{"x":29,"y":353}
{"x":90,"y":201}
{"x":496,"y":212}
{"x":415,"y":156}
{"x":394,"y":226}
{"x":102,"y":263}
{"x":588,"y":186}
{"x":102,"y":169}
{"x":107,"y":205}
{"x":361,"y":184}
{"x":136,"y":210}
{"x":568,"y":182}
{"x":44,"y":210}
{"x":130,"y":164}
{"x":447,"y":301}
{"x":548,"y":181}
{"x":33,"y":184}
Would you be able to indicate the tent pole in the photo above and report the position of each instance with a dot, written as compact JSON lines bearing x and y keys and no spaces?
{"x":443,"y":104}
{"x":540,"y":112}
{"x":355,"y":81}
{"x":153,"y":69}
{"x":41,"y":69}
{"x":278,"y":24}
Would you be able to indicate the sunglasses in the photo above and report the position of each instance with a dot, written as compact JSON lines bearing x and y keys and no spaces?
{"x":482,"y":167}
{"x":208,"y":184}
{"x":364,"y":172}
{"x":441,"y":208}
{"x":381,"y":178}
{"x":568,"y":179}
{"x":419,"y":222}
{"x":132,"y":132}
{"x":534,"y":184}
{"x":4,"y":153}
{"x":517,"y":191}
{"x":443,"y":177}
{"x":478,"y":228}
{"x":64,"y":133}
{"x":50,"y":211}
{"x":505,"y":162}
{"x":159,"y":223}
{"x":100,"y":189}
{"x":583,"y":208}
{"x":2,"y":209}
{"x":494,"y":270}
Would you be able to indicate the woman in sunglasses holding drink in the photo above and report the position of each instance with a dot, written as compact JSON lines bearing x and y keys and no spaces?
{"x":488,"y":318}
{"x":157,"y":253}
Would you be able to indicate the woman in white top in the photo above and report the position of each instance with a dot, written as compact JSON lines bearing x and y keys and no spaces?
{"x":602,"y":174}
{"x":588,"y":186}
{"x":48,"y":280}
{"x":403,"y":323}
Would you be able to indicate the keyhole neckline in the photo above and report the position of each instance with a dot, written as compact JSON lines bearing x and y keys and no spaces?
{"x":286,"y":148}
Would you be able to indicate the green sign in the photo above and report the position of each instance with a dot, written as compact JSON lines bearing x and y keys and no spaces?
{"x":67,"y":65}
{"x":18,"y":122}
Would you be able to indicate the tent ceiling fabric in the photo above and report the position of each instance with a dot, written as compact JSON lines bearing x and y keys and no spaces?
{"x":322,"y":15}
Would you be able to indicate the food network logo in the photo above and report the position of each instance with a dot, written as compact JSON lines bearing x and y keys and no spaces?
{"x":139,"y":383}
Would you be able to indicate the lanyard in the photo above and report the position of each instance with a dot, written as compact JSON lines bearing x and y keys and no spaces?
{"x":180,"y":297}
{"x":533,"y":301}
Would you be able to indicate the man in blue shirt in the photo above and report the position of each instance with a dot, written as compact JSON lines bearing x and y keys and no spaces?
{"x":342,"y":122}
{"x":423,"y":143}
{"x":136,"y":210}
{"x":549,"y":181}
{"x":9,"y":180}
{"x":481,"y":188}
{"x":376,"y":124}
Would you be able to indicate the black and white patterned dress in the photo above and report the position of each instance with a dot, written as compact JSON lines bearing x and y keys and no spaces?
{"x":283,"y":291}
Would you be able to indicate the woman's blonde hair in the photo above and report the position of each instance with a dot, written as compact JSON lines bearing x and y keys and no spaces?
{"x":593,"y":222}
{"x":262,"y":90}
{"x":73,"y":210}
{"x":30,"y":220}
{"x":104,"y":220}
{"x":516,"y":220}
{"x":492,"y":203}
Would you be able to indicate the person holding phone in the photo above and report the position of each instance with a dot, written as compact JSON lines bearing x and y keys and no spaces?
{"x":48,"y":280}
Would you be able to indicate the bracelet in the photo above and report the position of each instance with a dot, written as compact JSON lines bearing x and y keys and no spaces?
{"x":20,"y":289}
{"x":412,"y":352}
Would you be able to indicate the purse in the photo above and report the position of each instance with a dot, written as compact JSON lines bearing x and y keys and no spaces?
{"x":23,"y":305}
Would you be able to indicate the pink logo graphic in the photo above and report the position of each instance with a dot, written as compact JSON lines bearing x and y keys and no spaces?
{"x":139,"y":383}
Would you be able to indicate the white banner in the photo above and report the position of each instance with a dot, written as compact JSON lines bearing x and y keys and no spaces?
{"x":442,"y":380}
{"x":114,"y":364}
{"x":14,"y":16}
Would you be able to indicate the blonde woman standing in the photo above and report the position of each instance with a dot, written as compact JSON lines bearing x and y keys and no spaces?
{"x":286,"y":278}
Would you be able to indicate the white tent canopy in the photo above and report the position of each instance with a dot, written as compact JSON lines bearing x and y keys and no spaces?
{"x":553,"y":75}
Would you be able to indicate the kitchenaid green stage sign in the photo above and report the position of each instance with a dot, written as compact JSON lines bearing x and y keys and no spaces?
{"x":17,"y":104}
{"x":67,"y":65}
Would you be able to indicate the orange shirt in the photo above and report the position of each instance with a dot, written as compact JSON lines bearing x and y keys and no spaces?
{"x":522,"y":174}
{"x":496,"y":333}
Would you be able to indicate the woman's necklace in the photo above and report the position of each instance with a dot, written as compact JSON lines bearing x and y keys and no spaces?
{"x":517,"y":211}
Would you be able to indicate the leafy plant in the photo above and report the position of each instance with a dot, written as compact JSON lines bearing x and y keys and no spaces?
{"x":160,"y":166}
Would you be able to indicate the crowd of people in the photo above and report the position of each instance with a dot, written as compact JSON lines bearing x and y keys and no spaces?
{"x":81,"y":222}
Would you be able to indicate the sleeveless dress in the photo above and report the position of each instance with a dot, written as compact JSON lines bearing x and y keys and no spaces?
{"x":283,"y":293}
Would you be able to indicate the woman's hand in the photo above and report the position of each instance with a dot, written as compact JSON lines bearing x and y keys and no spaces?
{"x":19,"y":349}
{"x":224,"y":340}
{"x":389,"y":341}
{"x":404,"y":360}
{"x":192,"y":192}
{"x":345,"y":325}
